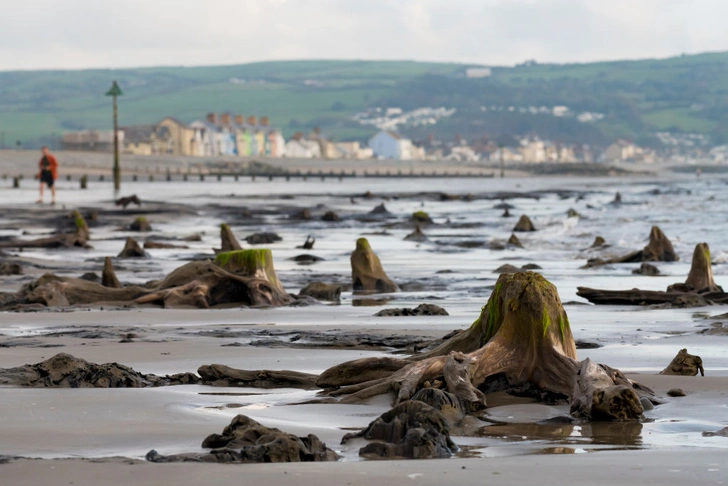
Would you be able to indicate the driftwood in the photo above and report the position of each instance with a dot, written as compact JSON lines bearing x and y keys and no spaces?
{"x":684,"y":364}
{"x":79,"y":238}
{"x":523,"y":334}
{"x":698,"y":290}
{"x":244,"y":277}
{"x":367,"y":273}
{"x":659,"y":249}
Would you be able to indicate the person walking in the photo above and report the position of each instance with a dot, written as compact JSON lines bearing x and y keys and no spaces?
{"x":48,"y":174}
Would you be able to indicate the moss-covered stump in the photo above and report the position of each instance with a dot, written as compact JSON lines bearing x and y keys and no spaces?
{"x":132,"y":249}
{"x":367,"y":273}
{"x":78,"y":238}
{"x":684,"y":364}
{"x":421,"y":217}
{"x":659,"y":249}
{"x":140,"y":224}
{"x":108,"y":276}
{"x":524,"y":224}
{"x":82,"y":232}
{"x":698,"y":290}
{"x":522,"y":333}
{"x":256,"y":264}
{"x":228,"y":242}
{"x":573,"y":213}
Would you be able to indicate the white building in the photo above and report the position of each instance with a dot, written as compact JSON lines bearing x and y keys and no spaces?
{"x":477,"y":72}
{"x":391,"y":145}
{"x":300,"y":148}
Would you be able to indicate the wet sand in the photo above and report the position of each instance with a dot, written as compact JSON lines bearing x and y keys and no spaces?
{"x":668,"y":447}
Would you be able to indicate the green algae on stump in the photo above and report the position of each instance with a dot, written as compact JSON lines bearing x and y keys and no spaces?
{"x":82,"y":230}
{"x":140,"y":223}
{"x":256,"y":262}
{"x":367,"y":273}
{"x":421,"y":217}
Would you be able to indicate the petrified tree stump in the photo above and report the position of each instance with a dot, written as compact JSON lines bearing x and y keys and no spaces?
{"x":523,"y":333}
{"x":684,"y":364}
{"x":524,"y":224}
{"x":108,"y":276}
{"x":659,"y":249}
{"x":132,"y":250}
{"x":367,"y":273}
{"x":228,"y":242}
{"x":79,"y":238}
{"x":141,"y":224}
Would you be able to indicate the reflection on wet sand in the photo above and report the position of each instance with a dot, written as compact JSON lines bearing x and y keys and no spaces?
{"x":601,"y":433}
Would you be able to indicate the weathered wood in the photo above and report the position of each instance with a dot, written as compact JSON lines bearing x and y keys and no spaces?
{"x":595,"y":395}
{"x":367,"y":273}
{"x":684,"y":364}
{"x":108,"y":276}
{"x":228,"y":242}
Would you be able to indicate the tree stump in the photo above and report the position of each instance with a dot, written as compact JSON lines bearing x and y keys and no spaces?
{"x":684,"y":364}
{"x":659,"y":249}
{"x":367,"y":273}
{"x":228,"y":242}
{"x":132,"y":250}
{"x":524,"y":224}
{"x":108,"y":276}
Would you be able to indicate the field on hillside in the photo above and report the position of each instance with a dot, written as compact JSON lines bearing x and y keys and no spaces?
{"x":633,"y":98}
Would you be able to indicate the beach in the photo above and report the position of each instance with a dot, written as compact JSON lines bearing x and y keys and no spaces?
{"x":101,"y":436}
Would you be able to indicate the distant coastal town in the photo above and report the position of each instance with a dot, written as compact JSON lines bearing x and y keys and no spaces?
{"x":229,"y":134}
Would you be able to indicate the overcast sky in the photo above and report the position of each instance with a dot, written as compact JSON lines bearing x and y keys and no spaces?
{"x":38,"y":34}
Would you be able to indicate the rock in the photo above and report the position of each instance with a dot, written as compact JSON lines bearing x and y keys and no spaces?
{"x":140,"y":224}
{"x":221,"y":375}
{"x":367,"y":273}
{"x":524,"y":224}
{"x":263,"y":238}
{"x":507,"y":268}
{"x":531,"y":266}
{"x":132,"y":250}
{"x":228,"y":242}
{"x":10,"y":269}
{"x":256,"y":444}
{"x":421,"y":217}
{"x":411,"y":430}
{"x":302,"y":215}
{"x":380,"y":209}
{"x":306,"y":259}
{"x":322,"y":291}
{"x":676,"y":392}
{"x":417,"y":235}
{"x":108,"y":276}
{"x":572,"y":213}
{"x":420,"y":310}
{"x":514,"y":241}
{"x":598,"y":242}
{"x":647,"y":269}
{"x":156,"y":245}
{"x":331,"y":217}
{"x":684,"y":364}
{"x":125,"y":201}
{"x":66,"y":371}
{"x":90,"y":277}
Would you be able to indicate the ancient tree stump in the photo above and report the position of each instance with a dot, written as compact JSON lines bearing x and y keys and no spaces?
{"x":367,"y":273}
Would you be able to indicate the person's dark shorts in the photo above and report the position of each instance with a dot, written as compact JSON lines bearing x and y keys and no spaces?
{"x":47,"y":178}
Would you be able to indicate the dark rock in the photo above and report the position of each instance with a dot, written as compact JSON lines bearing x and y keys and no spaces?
{"x":263,"y":238}
{"x":90,"y":277}
{"x":322,"y":291}
{"x":647,"y":269}
{"x":140,"y":224}
{"x":247,"y":441}
{"x":675,"y":392}
{"x":306,"y":259}
{"x":507,"y":268}
{"x":10,"y":269}
{"x":586,"y":344}
{"x":132,"y":250}
{"x":302,"y":215}
{"x":531,"y":266}
{"x":380,"y":209}
{"x":412,"y":430}
{"x":684,"y":364}
{"x":420,"y":310}
{"x":524,"y":224}
{"x":331,"y":217}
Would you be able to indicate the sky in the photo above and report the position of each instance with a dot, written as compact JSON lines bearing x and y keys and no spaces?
{"x":72,"y":34}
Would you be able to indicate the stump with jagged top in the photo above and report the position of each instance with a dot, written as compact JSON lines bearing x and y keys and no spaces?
{"x":78,"y":238}
{"x":659,"y":249}
{"x":367,"y":273}
{"x":108,"y":276}
{"x":522,"y":333}
{"x":698,"y":290}
{"x":228,"y":241}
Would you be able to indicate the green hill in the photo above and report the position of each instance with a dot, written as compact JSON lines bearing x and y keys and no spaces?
{"x":632,"y":99}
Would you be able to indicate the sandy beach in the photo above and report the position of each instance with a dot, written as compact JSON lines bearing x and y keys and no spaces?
{"x":101,"y":435}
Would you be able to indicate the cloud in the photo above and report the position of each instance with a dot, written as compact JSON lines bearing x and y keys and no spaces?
{"x":92,"y":33}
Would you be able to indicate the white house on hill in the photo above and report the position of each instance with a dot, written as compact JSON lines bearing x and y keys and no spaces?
{"x":390,"y":145}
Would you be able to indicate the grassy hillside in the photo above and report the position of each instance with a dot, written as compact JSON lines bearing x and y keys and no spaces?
{"x":636,"y":98}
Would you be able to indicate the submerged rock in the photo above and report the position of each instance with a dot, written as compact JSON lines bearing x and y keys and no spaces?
{"x":380,"y":209}
{"x":420,"y":310}
{"x":246,"y":441}
{"x":306,"y":259}
{"x":411,"y":430}
{"x":322,"y":291}
{"x":263,"y":238}
{"x":331,"y":217}
{"x":647,"y":269}
{"x":302,"y":215}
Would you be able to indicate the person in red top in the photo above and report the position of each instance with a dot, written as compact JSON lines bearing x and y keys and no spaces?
{"x":48,"y":174}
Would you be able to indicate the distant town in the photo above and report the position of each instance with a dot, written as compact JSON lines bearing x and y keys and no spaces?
{"x":229,"y":134}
